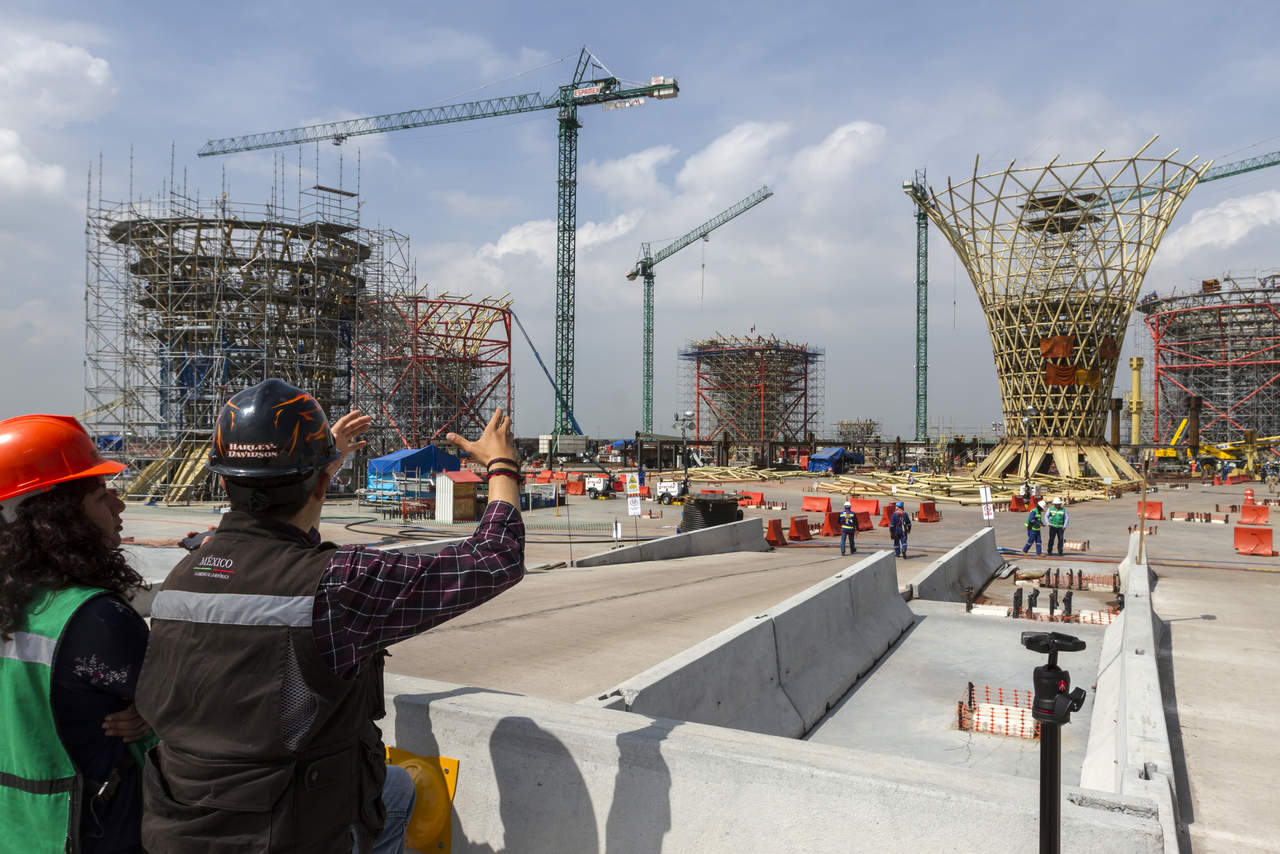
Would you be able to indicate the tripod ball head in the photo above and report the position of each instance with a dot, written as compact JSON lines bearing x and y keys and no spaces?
{"x":1054,"y":701}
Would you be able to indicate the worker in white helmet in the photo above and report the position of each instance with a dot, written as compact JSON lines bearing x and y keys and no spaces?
{"x":848,"y":527}
{"x":1056,"y":518}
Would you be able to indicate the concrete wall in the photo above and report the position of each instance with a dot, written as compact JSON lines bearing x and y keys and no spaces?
{"x":744,"y":536}
{"x":543,"y":776}
{"x":779,"y":672}
{"x":970,"y":564}
{"x":1129,"y":751}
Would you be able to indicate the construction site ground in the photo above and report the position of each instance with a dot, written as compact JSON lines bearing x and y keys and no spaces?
{"x":566,"y":633}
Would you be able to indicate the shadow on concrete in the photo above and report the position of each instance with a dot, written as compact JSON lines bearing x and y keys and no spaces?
{"x":542,"y":796}
{"x":1169,"y":698}
{"x":640,"y":814}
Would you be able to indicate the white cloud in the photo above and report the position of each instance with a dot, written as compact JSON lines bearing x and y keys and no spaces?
{"x":632,"y":178}
{"x":49,"y":83}
{"x":597,"y":233}
{"x":845,"y":148}
{"x":1223,"y":225}
{"x":20,"y":172}
{"x":735,"y":159}
{"x":536,"y":237}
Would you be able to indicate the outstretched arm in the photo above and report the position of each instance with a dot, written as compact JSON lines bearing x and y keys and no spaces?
{"x":497,"y":442}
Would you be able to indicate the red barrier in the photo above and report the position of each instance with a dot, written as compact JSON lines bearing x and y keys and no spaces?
{"x":1255,"y":514}
{"x":864,"y":520}
{"x":544,"y":476}
{"x":1254,"y":541}
{"x":575,"y":487}
{"x":1017,"y":504}
{"x":757,"y":498}
{"x":712,"y":492}
{"x":830,"y":525}
{"x":799,"y":529}
{"x":773,"y":536}
{"x":1151,"y":510}
{"x":560,"y":475}
{"x":886,"y":515}
{"x":870,"y":506}
{"x":815,"y":504}
{"x":644,"y":492}
{"x":1217,"y":481}
{"x":928,"y":512}
{"x":1248,"y":496}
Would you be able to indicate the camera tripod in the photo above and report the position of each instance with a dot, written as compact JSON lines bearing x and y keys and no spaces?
{"x":1052,"y":705}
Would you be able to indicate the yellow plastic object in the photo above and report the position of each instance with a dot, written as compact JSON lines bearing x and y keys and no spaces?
{"x":435,"y":778}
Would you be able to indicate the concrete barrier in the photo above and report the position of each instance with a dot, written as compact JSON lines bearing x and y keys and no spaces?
{"x":970,"y":564}
{"x":1129,"y":751}
{"x":779,"y":672}
{"x":744,"y":536}
{"x":544,"y":776}
{"x":822,"y":647}
{"x":730,"y":680}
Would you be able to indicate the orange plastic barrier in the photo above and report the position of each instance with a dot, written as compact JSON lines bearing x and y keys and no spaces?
{"x":1217,"y":481}
{"x":712,"y":491}
{"x":870,"y":506}
{"x":1255,"y":514}
{"x":928,"y":512}
{"x":1151,"y":510}
{"x":830,"y":525}
{"x":799,"y":529}
{"x":1017,"y":504}
{"x":886,"y":515}
{"x":773,"y":536}
{"x":1248,"y":496}
{"x":644,"y":492}
{"x":864,"y":520}
{"x":1254,"y":541}
{"x":575,"y":487}
{"x":560,"y":475}
{"x":544,"y":476}
{"x":815,"y":504}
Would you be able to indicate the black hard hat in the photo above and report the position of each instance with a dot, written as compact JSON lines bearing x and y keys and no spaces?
{"x":272,"y":430}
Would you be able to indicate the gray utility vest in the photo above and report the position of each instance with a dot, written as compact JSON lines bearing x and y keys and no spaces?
{"x":262,"y":748}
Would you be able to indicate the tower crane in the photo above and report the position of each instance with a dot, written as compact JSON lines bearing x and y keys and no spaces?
{"x":606,"y":90}
{"x":644,"y":267}
{"x":918,"y":193}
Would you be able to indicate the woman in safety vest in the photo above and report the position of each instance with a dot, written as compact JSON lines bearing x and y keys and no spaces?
{"x":70,"y":648}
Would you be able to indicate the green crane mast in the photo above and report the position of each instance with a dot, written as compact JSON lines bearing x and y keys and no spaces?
{"x":918,"y":193}
{"x":644,"y":267}
{"x":580,"y":92}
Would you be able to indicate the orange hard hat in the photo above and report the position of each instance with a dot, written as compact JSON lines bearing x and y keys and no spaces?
{"x":38,"y":452}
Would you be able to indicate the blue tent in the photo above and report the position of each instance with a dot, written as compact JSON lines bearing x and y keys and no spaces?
{"x":829,"y":459}
{"x":409,"y":462}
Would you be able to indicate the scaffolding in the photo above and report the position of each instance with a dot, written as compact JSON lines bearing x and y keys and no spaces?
{"x":426,"y":367}
{"x":1221,"y":344}
{"x":753,"y":390}
{"x":1057,"y":255}
{"x":189,"y":301}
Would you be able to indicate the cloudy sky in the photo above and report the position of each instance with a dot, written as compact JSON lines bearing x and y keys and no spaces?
{"x":832,"y":105}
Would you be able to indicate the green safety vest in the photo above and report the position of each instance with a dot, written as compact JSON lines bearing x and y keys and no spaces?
{"x":1056,"y":517}
{"x":39,"y":784}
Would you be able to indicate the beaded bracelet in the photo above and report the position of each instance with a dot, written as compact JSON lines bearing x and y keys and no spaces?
{"x":501,"y":460}
{"x":515,"y":475}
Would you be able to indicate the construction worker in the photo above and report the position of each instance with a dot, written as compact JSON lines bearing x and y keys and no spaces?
{"x":264,"y":677}
{"x":1056,"y":518}
{"x":71,"y":647}
{"x":848,"y":527}
{"x":1034,"y":520}
{"x":899,"y":527}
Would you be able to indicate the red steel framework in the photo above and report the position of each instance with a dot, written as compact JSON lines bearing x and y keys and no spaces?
{"x":1221,"y":344}
{"x":753,"y":389}
{"x":426,"y":367}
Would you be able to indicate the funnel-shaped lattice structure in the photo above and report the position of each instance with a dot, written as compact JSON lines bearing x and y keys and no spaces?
{"x":1057,"y":254}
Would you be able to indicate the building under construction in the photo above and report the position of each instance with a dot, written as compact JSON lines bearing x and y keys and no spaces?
{"x":189,"y":301}
{"x":1220,"y":343}
{"x":753,"y":390}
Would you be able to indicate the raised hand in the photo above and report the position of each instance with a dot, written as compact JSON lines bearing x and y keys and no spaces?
{"x":345,"y":430}
{"x":497,"y":441}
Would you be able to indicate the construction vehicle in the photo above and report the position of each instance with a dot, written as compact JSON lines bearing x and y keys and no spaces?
{"x":599,"y":486}
{"x":670,"y":491}
{"x":1171,"y":452}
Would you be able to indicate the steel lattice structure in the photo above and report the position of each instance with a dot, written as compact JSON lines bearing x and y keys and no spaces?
{"x":429,"y":366}
{"x":188,"y":302}
{"x":754,"y":390}
{"x":1057,"y":255}
{"x":1221,"y":344}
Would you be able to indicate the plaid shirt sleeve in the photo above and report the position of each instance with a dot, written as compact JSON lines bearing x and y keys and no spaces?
{"x":369,"y":599}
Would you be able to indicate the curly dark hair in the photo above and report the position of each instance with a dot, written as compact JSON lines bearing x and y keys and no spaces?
{"x":52,"y":546}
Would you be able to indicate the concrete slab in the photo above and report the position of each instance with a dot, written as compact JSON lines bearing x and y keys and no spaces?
{"x":907,"y":707}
